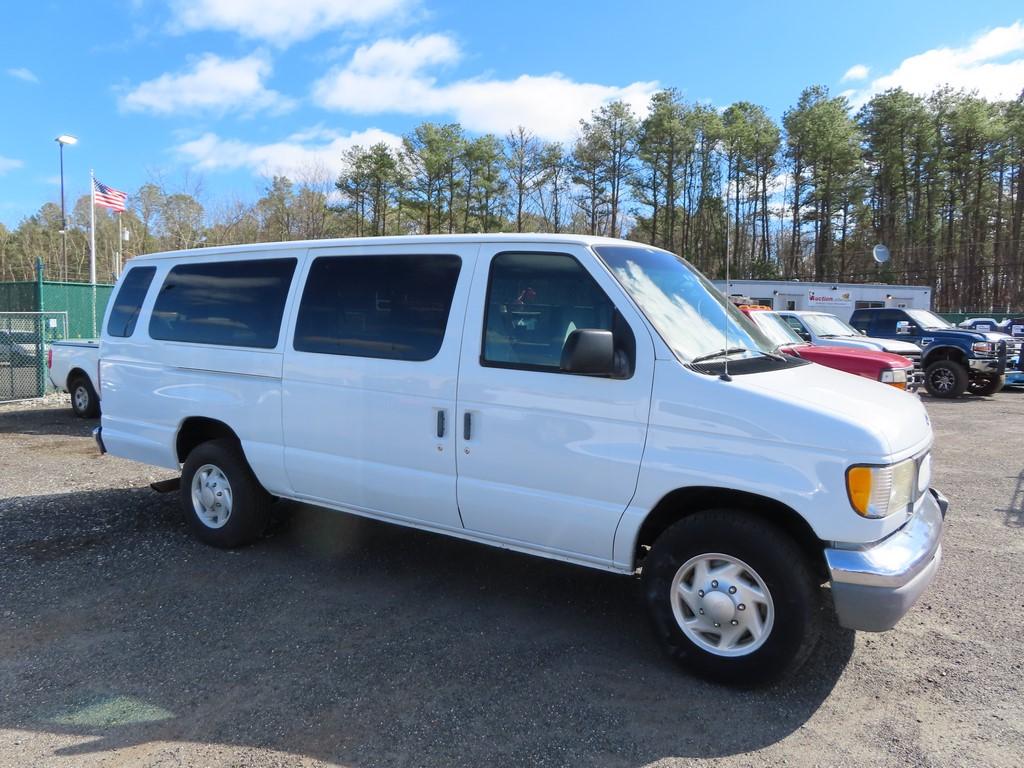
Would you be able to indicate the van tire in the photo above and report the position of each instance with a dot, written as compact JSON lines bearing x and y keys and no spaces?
{"x":85,"y":404}
{"x":946,"y":379}
{"x":988,"y":385}
{"x":797,"y":606}
{"x":230,"y":481}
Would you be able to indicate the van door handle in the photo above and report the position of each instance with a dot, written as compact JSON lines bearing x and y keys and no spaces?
{"x":467,"y":425}
{"x":440,"y":423}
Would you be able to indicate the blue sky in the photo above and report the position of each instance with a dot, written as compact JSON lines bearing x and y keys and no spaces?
{"x":231,"y":91}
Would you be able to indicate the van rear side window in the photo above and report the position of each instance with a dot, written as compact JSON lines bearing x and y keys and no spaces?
{"x":128,"y":302}
{"x":231,"y":303}
{"x":392,"y":307}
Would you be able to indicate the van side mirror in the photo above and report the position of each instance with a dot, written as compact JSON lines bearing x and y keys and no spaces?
{"x":589,"y":350}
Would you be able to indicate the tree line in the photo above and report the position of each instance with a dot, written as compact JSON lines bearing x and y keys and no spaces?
{"x":935,"y":178}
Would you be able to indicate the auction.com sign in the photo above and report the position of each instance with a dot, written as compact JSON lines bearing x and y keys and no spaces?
{"x":829,"y":299}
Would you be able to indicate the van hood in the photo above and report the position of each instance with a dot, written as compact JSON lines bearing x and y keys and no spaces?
{"x":873,"y":416}
{"x":807,"y":405}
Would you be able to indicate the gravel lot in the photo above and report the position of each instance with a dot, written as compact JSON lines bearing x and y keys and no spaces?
{"x":123,"y":642}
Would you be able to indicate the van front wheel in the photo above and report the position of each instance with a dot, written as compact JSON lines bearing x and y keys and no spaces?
{"x":732,"y":598}
{"x":224,"y":503}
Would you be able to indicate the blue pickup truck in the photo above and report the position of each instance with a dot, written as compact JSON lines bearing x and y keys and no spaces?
{"x":955,"y":360}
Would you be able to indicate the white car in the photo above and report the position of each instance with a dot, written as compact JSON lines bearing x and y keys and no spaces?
{"x":73,"y":367}
{"x":584,"y":399}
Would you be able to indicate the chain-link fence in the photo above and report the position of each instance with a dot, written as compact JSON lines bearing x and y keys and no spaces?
{"x":24,"y":340}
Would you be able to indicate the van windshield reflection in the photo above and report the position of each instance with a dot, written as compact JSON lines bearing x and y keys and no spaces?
{"x":692,"y":317}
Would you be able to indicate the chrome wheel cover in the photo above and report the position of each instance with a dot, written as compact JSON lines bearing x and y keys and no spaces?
{"x":211,"y":496}
{"x":722,"y":605}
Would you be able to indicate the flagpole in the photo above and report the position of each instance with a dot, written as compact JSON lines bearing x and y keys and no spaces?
{"x":120,"y":247}
{"x":92,"y":227}
{"x":92,"y":245}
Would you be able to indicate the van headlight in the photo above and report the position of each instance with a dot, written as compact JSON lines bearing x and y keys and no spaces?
{"x":880,"y":491}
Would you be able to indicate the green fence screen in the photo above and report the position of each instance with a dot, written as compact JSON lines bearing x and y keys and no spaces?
{"x":84,"y":303}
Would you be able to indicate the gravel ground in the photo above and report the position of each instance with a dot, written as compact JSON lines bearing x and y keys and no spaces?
{"x":338,"y":641}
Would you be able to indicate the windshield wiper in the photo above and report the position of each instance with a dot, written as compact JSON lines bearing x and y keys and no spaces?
{"x":720,"y":353}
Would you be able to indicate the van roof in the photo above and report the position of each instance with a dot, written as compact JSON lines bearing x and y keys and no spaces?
{"x":267,"y":249}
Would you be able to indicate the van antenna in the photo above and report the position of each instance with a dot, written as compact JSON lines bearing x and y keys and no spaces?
{"x":725,"y":310}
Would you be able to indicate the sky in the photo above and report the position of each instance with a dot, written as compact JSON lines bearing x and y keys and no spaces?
{"x":230,"y":92}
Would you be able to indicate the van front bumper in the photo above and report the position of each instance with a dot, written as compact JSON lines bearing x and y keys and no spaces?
{"x":873,"y":587}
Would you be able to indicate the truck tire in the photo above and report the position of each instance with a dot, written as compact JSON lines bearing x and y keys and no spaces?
{"x":84,"y":402}
{"x":945,"y":378}
{"x":732,"y":598}
{"x":986,"y":386}
{"x":224,"y":503}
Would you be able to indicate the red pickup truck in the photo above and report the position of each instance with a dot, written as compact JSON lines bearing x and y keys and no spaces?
{"x":885,"y":367}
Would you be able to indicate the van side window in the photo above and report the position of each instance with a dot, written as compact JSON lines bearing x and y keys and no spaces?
{"x":534,"y":301}
{"x":232,"y":303}
{"x":125,"y":312}
{"x":389,"y":307}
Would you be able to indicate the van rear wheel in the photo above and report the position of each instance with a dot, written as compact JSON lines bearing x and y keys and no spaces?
{"x":224,"y":503}
{"x":732,"y":598}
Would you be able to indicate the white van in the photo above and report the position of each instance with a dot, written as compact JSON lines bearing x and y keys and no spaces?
{"x":585,"y":399}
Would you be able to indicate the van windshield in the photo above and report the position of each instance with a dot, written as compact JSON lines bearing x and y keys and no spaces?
{"x":693,"y":318}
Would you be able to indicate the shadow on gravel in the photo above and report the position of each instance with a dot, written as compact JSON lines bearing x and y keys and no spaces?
{"x":1015,"y":510}
{"x":46,"y":421}
{"x":348,"y":640}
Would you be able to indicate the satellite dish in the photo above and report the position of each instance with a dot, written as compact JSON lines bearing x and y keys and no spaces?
{"x":880,"y":253}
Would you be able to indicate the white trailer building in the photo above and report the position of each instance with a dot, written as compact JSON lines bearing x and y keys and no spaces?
{"x":837,"y":298}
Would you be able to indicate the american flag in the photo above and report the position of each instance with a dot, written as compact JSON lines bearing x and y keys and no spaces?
{"x":108,"y":197}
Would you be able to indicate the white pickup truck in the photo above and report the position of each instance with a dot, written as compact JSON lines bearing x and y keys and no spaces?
{"x":74,"y":368}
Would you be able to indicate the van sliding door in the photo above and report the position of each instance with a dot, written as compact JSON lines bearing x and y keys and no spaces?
{"x":370,"y":373}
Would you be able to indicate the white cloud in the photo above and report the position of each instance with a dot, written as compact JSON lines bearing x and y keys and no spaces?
{"x":9,"y":164}
{"x":391,"y":76}
{"x":992,"y":64}
{"x":23,"y":73}
{"x":281,"y":21}
{"x":856,"y":72}
{"x":212,"y":84}
{"x":296,"y":154}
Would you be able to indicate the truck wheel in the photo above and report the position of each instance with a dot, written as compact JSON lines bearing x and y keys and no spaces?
{"x":224,"y":503}
{"x":945,"y":378}
{"x":84,"y":402}
{"x":986,"y":386}
{"x":732,"y":598}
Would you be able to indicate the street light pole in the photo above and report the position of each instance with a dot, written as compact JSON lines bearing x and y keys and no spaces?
{"x":61,"y":140}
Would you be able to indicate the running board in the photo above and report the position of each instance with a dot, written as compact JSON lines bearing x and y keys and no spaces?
{"x":166,"y":486}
